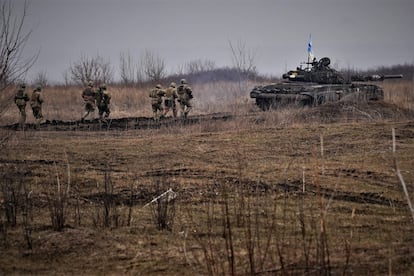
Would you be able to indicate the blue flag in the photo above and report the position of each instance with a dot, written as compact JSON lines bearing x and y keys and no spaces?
{"x":310,"y":51}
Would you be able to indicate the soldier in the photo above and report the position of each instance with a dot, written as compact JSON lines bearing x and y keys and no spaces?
{"x":20,"y":99}
{"x":36,"y":101}
{"x":156,"y":95}
{"x":185,"y":94}
{"x":169,"y":101}
{"x":103,"y":99}
{"x":88,"y":96}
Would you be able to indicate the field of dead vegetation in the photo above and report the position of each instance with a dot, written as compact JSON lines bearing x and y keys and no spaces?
{"x":230,"y":191}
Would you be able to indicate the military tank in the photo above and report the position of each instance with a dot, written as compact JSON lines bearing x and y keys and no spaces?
{"x":317,"y":83}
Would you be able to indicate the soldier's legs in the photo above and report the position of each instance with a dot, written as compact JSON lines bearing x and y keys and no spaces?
{"x":22,"y":119}
{"x":166,"y":110}
{"x":167,"y":105}
{"x":155,"y":111}
{"x":37,"y":113}
{"x":86,"y":111}
{"x":174,"y":109}
{"x":85,"y":114}
{"x":161,"y":111}
{"x":182,"y":109}
{"x":89,"y":109}
{"x":102,"y":111}
{"x":187,"y":109}
{"x":107,"y":112}
{"x":170,"y":104}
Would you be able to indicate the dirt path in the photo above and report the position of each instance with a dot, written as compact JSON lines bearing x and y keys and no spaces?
{"x":122,"y":123}
{"x":327,"y":113}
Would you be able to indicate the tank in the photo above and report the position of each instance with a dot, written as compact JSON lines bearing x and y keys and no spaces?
{"x":317,"y":83}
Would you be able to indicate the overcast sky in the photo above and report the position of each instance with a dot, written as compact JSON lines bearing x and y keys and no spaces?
{"x":355,"y":33}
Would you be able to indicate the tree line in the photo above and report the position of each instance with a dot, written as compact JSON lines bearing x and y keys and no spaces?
{"x":148,"y":68}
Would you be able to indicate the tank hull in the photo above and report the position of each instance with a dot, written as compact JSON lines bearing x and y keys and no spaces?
{"x":304,"y":93}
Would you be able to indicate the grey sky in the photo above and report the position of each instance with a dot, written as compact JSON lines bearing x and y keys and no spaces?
{"x":354,"y":33}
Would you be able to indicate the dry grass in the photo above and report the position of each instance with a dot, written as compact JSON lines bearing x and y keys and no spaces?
{"x":264,"y":168}
{"x":257,"y":165}
{"x":66,"y":103}
{"x":400,"y":93}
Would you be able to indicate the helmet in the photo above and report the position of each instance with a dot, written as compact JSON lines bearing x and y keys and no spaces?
{"x":173,"y":84}
{"x":22,"y":85}
{"x":158,"y":86}
{"x":90,"y":83}
{"x":183,"y":81}
{"x":103,"y":86}
{"x":38,"y":88}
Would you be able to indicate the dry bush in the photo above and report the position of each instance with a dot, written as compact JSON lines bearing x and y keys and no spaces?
{"x":400,"y":93}
{"x":7,"y":106}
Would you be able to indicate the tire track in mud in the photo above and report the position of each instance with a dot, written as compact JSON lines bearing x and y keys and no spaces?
{"x":355,"y":197}
{"x":215,"y":183}
{"x":212,"y":185}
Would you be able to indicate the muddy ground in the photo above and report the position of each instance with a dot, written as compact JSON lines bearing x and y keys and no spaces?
{"x":333,"y":163}
{"x":327,"y":113}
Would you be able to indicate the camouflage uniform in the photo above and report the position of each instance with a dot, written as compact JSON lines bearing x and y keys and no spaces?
{"x":156,"y":95}
{"x":88,"y":96}
{"x":20,"y":99}
{"x":36,"y":101}
{"x":103,"y":99}
{"x":185,"y":94}
{"x":169,"y":101}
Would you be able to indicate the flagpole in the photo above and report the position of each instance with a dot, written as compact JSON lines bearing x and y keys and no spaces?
{"x":310,"y":54}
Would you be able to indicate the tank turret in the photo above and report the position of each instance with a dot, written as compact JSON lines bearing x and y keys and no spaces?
{"x":316,"y":72}
{"x":317,"y":83}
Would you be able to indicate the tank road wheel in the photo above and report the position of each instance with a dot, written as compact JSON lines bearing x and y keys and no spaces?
{"x":320,"y":100}
{"x":264,"y":104}
{"x":306,"y":102}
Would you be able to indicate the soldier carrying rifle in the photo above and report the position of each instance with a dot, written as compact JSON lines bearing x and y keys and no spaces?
{"x":88,"y":96}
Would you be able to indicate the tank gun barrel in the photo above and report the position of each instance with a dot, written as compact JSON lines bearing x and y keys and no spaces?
{"x":375,"y":77}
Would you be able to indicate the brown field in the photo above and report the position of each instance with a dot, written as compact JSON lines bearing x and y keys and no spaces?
{"x":293,"y":191}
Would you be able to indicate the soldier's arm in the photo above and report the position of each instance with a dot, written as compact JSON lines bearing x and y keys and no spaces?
{"x":189,"y":91}
{"x":161,"y":93}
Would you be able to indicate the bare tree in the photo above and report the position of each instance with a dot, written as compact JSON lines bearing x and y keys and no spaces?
{"x":94,"y":69}
{"x":128,"y":68}
{"x":41,"y":79}
{"x":198,"y":65}
{"x":13,"y":39}
{"x":244,"y":62}
{"x":66,"y":74}
{"x":153,"y":66}
{"x":243,"y":58}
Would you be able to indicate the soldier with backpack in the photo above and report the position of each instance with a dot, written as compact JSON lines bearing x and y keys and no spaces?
{"x":169,"y":101}
{"x":20,"y":99}
{"x":103,"y":99}
{"x":185,"y":94}
{"x":156,"y":95}
{"x":88,"y":96}
{"x":36,"y":102}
